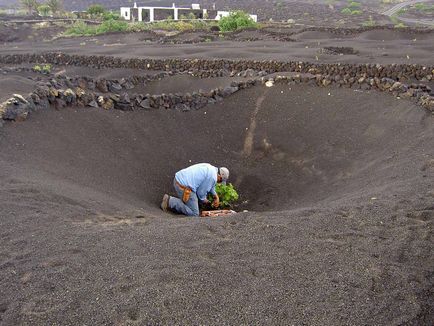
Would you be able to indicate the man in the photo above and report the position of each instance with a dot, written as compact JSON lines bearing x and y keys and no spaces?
{"x":192,"y":185}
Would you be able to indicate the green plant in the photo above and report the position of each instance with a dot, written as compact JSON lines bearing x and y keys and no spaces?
{"x":111,"y":25}
{"x":227,"y":194}
{"x":29,"y":5}
{"x":55,"y":5}
{"x":45,"y":69}
{"x":346,"y":11}
{"x":236,"y":20}
{"x":110,"y":15}
{"x":369,"y":23}
{"x":400,"y":25}
{"x":191,"y":16}
{"x":95,"y":10}
{"x":356,"y":12}
{"x":80,"y":28}
{"x":44,"y":10}
{"x":353,"y":4}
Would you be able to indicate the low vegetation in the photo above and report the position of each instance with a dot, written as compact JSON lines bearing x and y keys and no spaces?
{"x":45,"y":8}
{"x":44,"y":68}
{"x":80,"y":28}
{"x":352,"y":8}
{"x":369,"y":22}
{"x":227,"y":194}
{"x":235,"y":21}
{"x":424,"y":8}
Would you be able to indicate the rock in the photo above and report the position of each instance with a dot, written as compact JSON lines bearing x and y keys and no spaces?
{"x":115,"y":87}
{"x":182,"y":107}
{"x":58,"y":103}
{"x":145,"y":104}
{"x":128,"y":85}
{"x":105,"y":102}
{"x":93,"y":104}
{"x":125,"y":98}
{"x":101,"y":85}
{"x":269,"y":83}
{"x":16,"y":108}
{"x":79,"y":92}
{"x":123,"y":106}
{"x":54,"y":92}
{"x":326,"y":82}
{"x":69,"y":96}
{"x":229,"y":90}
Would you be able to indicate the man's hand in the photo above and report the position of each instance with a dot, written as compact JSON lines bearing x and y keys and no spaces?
{"x":216,"y":201}
{"x":205,"y":201}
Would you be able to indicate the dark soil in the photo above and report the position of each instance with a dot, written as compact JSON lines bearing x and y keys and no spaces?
{"x":337,"y":184}
{"x":344,"y":192}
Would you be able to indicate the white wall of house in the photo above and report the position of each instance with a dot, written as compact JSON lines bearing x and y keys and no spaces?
{"x":126,"y":13}
{"x":151,"y":13}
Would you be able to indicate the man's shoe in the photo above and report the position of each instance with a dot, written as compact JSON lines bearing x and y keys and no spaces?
{"x":165,"y":203}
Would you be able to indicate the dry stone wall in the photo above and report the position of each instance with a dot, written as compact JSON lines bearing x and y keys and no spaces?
{"x":61,"y":91}
{"x":224,"y":67}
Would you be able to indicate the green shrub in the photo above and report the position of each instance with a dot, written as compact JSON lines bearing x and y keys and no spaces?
{"x":236,"y":20}
{"x":44,"y":10}
{"x":353,"y":4}
{"x":80,"y":28}
{"x":346,"y":11}
{"x":400,"y":25}
{"x":109,"y":26}
{"x":356,"y":12}
{"x":95,"y":10}
{"x":370,"y":22}
{"x":110,"y":15}
{"x":227,"y":194}
{"x":45,"y":69}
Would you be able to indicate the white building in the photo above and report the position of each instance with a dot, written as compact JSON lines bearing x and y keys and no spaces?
{"x":150,"y":14}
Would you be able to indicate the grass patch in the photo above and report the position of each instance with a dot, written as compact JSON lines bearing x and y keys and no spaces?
{"x":80,"y":28}
{"x":352,"y":8}
{"x":424,"y":8}
{"x":369,"y":23}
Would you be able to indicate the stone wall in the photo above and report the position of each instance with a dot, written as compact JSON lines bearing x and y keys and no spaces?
{"x":61,"y":91}
{"x":224,"y":67}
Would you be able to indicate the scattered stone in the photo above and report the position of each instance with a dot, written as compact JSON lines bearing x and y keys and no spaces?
{"x":269,"y":83}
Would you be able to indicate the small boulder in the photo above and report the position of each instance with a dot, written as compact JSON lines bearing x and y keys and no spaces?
{"x":16,"y":108}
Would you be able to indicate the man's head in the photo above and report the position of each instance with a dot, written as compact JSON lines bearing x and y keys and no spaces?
{"x":223,"y":175}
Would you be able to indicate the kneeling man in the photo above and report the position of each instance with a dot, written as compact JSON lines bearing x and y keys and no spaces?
{"x":192,"y":185}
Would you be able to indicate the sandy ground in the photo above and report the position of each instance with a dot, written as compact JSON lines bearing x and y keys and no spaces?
{"x":338,"y":185}
{"x":377,"y":46}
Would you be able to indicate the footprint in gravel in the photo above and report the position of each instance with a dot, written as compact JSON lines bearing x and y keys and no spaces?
{"x":424,"y":215}
{"x":3,"y":308}
{"x":133,"y":314}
